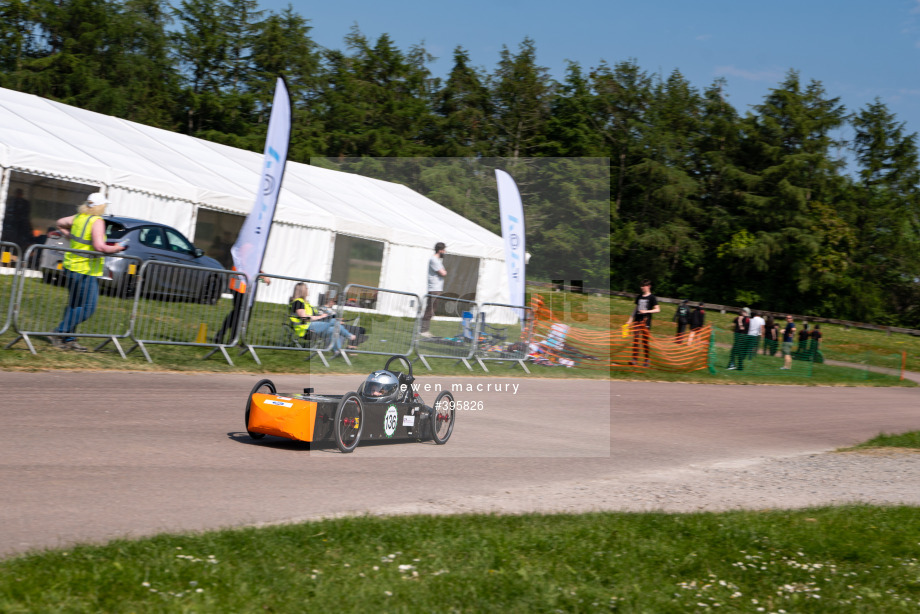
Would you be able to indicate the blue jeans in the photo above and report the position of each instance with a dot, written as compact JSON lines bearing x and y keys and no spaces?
{"x":324,"y":328}
{"x":84,"y":294}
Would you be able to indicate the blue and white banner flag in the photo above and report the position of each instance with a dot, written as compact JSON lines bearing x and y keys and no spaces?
{"x":512,"y":213}
{"x":249,"y":249}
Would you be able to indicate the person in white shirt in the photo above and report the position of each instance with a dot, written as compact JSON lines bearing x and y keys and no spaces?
{"x":436,"y":275}
{"x":756,"y":330}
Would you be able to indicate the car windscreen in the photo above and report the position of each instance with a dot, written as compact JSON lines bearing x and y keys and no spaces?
{"x":177,"y":243}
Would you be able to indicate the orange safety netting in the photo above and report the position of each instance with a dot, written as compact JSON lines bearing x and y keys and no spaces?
{"x":631,"y":348}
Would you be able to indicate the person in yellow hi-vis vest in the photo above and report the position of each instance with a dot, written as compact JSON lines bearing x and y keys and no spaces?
{"x":305,"y":318}
{"x":86,"y":231}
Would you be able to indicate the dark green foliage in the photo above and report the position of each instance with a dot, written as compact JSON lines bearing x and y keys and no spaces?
{"x":769,"y":209}
{"x":463,"y":112}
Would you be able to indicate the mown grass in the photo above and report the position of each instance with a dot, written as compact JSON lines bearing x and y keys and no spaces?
{"x":852,"y":559}
{"x":911,"y":439}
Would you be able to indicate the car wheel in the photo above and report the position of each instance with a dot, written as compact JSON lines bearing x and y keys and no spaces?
{"x":349,"y":422}
{"x":442,"y":417}
{"x":264,"y":386}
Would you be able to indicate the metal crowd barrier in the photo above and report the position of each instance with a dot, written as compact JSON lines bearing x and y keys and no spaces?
{"x":503,"y":340}
{"x":54,"y":302}
{"x":388,"y":317}
{"x":453,"y":338}
{"x":10,"y":266}
{"x":268,"y":325}
{"x":180,"y":304}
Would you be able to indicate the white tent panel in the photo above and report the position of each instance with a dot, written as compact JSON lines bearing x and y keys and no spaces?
{"x":151,"y":173}
{"x":131,"y":203}
{"x":34,"y":124}
{"x":161,"y":187}
{"x":62,"y":168}
{"x":300,"y":252}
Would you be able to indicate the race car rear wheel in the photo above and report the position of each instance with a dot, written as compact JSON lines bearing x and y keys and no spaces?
{"x":349,"y":422}
{"x":443,"y":413}
{"x":264,"y":386}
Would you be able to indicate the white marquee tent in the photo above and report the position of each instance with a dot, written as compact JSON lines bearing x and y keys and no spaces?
{"x":154,"y":174}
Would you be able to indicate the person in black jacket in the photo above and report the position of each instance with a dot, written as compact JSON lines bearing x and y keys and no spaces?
{"x":770,"y":337}
{"x":697,"y":320}
{"x":739,"y":344}
{"x":682,"y":317}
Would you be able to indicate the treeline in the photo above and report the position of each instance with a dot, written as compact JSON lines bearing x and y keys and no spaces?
{"x":771,"y":208}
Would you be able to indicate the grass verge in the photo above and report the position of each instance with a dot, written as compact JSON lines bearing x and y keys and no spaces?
{"x":910,"y":439}
{"x":853,"y":559}
{"x":588,"y":312}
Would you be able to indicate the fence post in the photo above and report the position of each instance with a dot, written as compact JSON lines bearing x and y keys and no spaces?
{"x":712,"y":349}
{"x":11,"y":261}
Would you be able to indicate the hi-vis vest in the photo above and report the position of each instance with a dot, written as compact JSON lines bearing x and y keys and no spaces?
{"x":237,"y":284}
{"x":300,"y":326}
{"x":81,"y":238}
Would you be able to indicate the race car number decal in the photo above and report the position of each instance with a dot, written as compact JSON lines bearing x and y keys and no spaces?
{"x":390,"y":420}
{"x":408,"y":420}
{"x":279,"y":403}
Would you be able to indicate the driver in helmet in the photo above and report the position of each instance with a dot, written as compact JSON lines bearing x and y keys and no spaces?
{"x":381,"y":386}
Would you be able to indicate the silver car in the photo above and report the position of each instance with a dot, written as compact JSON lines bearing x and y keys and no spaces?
{"x":146,"y":241}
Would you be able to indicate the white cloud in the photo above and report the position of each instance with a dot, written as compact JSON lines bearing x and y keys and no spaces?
{"x":772,"y":75}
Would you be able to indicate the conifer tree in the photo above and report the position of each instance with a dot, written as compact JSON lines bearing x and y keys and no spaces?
{"x":463,"y":109}
{"x":521,"y":93}
{"x":622,"y":95}
{"x":377,"y":99}
{"x":793,"y":242}
{"x":888,"y":218}
{"x":571,"y":128}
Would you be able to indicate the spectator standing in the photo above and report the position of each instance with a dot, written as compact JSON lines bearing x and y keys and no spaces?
{"x":682,"y":317}
{"x":814,"y":349}
{"x":739,"y":342}
{"x":436,"y":275}
{"x":86,"y":231}
{"x":788,"y":339}
{"x":697,"y":320}
{"x":755,"y":332}
{"x":232,"y":321}
{"x":770,"y":337}
{"x":803,"y":341}
{"x":646,"y":306}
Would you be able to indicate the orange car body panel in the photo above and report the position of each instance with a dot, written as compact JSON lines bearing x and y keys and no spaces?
{"x":271,"y":414}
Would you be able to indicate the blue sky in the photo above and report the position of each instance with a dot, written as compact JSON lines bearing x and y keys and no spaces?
{"x":859,"y":50}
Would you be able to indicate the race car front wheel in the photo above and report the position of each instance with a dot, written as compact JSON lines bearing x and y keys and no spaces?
{"x":265,"y":386}
{"x":349,"y":422}
{"x":442,"y":417}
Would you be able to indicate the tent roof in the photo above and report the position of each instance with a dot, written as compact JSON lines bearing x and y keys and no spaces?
{"x":52,"y":138}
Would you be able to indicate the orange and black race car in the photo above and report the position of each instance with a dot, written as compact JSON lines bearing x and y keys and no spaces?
{"x":385,"y":407}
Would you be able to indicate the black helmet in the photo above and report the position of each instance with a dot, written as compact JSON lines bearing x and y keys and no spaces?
{"x":381,"y":386}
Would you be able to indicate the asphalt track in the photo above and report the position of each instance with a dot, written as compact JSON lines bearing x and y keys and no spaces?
{"x":93,"y":456}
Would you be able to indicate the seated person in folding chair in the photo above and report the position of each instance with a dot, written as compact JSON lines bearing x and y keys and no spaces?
{"x":358,"y":333}
{"x":305,"y":319}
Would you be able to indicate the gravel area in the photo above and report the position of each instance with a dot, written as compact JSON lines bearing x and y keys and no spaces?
{"x":882,"y":477}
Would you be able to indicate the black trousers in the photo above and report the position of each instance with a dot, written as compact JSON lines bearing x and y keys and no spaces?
{"x":232,"y":321}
